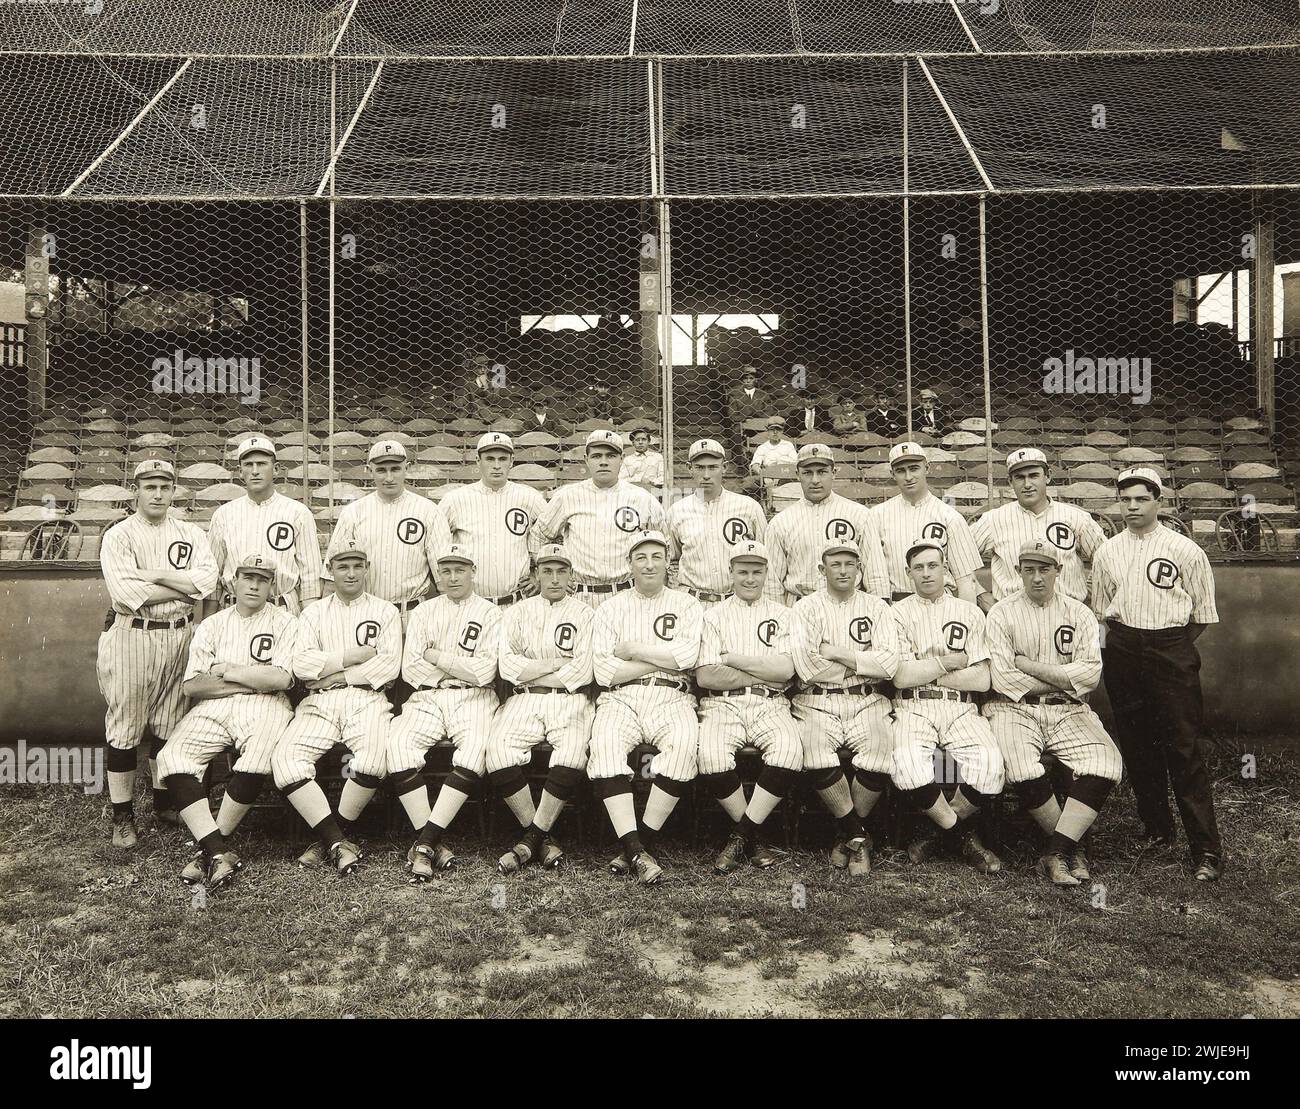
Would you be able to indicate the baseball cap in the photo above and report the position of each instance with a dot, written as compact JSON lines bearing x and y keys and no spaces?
{"x":703,"y":448}
{"x":841,"y":548}
{"x":256,"y":564}
{"x":352,"y":549}
{"x":386,"y":448}
{"x":495,"y":439}
{"x":1035,"y":550}
{"x":456,"y":553}
{"x":814,"y":452}
{"x":1025,"y":456}
{"x":254,"y":443}
{"x":648,"y":537}
{"x":553,"y":552}
{"x":1144,"y":474}
{"x":922,"y":545}
{"x":775,"y":421}
{"x":603,"y":437}
{"x":906,"y":452}
{"x":749,"y":550}
{"x":154,"y":467}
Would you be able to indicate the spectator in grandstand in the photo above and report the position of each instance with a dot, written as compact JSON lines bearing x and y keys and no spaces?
{"x":643,"y":466}
{"x":540,"y":416}
{"x":775,"y":450}
{"x":927,"y":417}
{"x":745,"y":401}
{"x":599,"y":402}
{"x":850,"y":419}
{"x":481,"y":395}
{"x":811,"y":412}
{"x":883,"y":418}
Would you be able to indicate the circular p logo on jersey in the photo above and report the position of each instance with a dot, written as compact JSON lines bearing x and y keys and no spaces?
{"x":517,"y":521}
{"x":665,"y":624}
{"x":1063,"y":638}
{"x":261,"y":646}
{"x":954,"y":635}
{"x":1061,"y":536}
{"x":469,"y":637}
{"x":935,"y":532}
{"x":367,"y":633}
{"x":1162,"y":573}
{"x":280,"y":536}
{"x":566,"y":635}
{"x":627,"y":518}
{"x":178,"y":554}
{"x":734,"y":530}
{"x":838,"y":530}
{"x":767,"y":632}
{"x":410,"y":531}
{"x":860,"y":630}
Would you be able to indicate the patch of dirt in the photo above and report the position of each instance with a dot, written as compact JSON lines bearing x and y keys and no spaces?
{"x":1279,"y":998}
{"x":533,"y":955}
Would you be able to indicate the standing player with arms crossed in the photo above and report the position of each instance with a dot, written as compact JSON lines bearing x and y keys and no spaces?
{"x":707,"y":525}
{"x":944,"y":661}
{"x":496,"y":519}
{"x":598,"y":519}
{"x":240,"y":665}
{"x":1002,"y":531}
{"x":744,"y":666}
{"x":155,"y":568}
{"x":546,"y":656}
{"x":644,"y":642}
{"x":1045,"y":655}
{"x":846,"y":647}
{"x":1154,"y":590}
{"x":797,"y":535}
{"x":266,"y":523}
{"x":349,"y":648}
{"x":450,"y":660}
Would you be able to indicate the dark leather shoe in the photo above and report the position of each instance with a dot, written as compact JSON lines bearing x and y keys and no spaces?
{"x":732,"y":856}
{"x":926,"y":845}
{"x":760,"y":855}
{"x":1209,"y":869}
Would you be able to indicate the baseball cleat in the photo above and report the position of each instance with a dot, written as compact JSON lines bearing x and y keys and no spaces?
{"x":345,"y":856}
{"x":648,"y":872}
{"x":223,"y":868}
{"x":1079,"y":865}
{"x":167,"y":816}
{"x":1209,"y":869}
{"x":979,"y":856}
{"x":760,"y":855}
{"x":619,"y":864}
{"x":313,"y":856}
{"x":925,"y":845}
{"x":552,"y":853}
{"x":419,"y":864}
{"x":840,"y":855}
{"x":124,"y":834}
{"x":1054,"y":868}
{"x":518,"y":857}
{"x":859,"y":856}
{"x":195,"y":870}
{"x":732,"y":856}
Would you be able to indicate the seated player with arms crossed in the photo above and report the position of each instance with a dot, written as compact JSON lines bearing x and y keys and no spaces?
{"x":545,"y":653}
{"x":1045,"y":650}
{"x":846,"y":645}
{"x":944,"y":662}
{"x":240,"y":665}
{"x":744,"y":666}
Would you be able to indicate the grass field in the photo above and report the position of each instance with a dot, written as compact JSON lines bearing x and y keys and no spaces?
{"x":89,"y":931}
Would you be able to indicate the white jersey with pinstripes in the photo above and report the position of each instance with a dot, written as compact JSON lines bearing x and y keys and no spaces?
{"x":797,"y":535}
{"x":862,"y":624}
{"x":280,"y":529}
{"x":706,"y":531}
{"x":1162,"y":580}
{"x":537,"y":629}
{"x":500,"y":528}
{"x":1062,"y":633}
{"x":760,"y":627}
{"x":267,"y":638}
{"x":402,"y":539}
{"x":329,"y":627}
{"x":468,"y":629}
{"x":670,"y":619}
{"x":900,"y":524}
{"x":135,"y":544}
{"x":597,"y":527}
{"x":1001,"y":533}
{"x":928,"y":629}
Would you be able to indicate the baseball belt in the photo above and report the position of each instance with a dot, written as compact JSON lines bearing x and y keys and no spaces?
{"x":704,"y":594}
{"x":756,"y":690}
{"x":604,"y":587}
{"x":667,"y":683}
{"x":139,"y":623}
{"x":935,"y":695}
{"x":865,"y":689}
{"x":508,"y":598}
{"x":1047,"y":699}
{"x":536,"y":689}
{"x":451,"y":685}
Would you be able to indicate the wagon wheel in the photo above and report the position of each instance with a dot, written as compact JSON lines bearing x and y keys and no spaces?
{"x":51,"y":540}
{"x":1235,"y":531}
{"x":1106,"y":524}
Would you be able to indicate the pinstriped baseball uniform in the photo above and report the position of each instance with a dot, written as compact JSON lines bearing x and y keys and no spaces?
{"x":1063,"y":633}
{"x":1072,"y":531}
{"x":250,"y":722}
{"x":901,"y":524}
{"x":537,"y":629}
{"x":630,"y":714}
{"x":500,"y":528}
{"x":1161,"y":581}
{"x":761,"y":627}
{"x":357,"y":714}
{"x":140,"y":670}
{"x":928,"y":629}
{"x":797,"y":534}
{"x":443,"y":706}
{"x":597,"y":527}
{"x":705,"y":532}
{"x":829,"y":721}
{"x":280,"y":529}
{"x":402,"y":540}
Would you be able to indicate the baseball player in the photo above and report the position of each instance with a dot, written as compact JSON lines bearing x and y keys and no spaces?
{"x":349,"y":649}
{"x":643,"y":466}
{"x":1045,"y":658}
{"x":846,"y":646}
{"x":450,"y":660}
{"x":496,"y":519}
{"x":1154,"y":590}
{"x":264,"y":522}
{"x":943,"y":662}
{"x":706,"y":526}
{"x":598,"y":519}
{"x":914,"y":512}
{"x":155,"y":568}
{"x":240,"y":665}
{"x":797,"y":535}
{"x":1001,"y":532}
{"x":744,"y":666}
{"x":401,"y":531}
{"x":545,"y":654}
{"x":644,"y":642}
